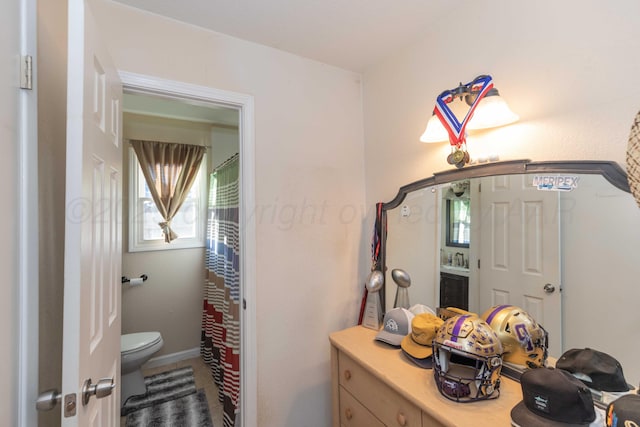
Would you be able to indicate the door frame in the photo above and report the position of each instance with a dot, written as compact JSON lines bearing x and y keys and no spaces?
{"x":245,"y":105}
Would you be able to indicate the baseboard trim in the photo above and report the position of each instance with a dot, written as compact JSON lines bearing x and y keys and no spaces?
{"x":167,"y":359}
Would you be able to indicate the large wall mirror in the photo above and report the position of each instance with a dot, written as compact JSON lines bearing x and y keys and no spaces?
{"x":559,"y":239}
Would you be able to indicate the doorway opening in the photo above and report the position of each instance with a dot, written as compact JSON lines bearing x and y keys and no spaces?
{"x":156,"y":109}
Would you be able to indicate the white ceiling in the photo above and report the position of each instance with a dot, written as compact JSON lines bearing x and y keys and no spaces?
{"x":350,"y":34}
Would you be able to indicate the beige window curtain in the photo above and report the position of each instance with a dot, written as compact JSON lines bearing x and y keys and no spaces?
{"x":170,"y":170}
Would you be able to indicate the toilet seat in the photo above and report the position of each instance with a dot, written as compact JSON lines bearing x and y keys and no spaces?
{"x":130,"y":343}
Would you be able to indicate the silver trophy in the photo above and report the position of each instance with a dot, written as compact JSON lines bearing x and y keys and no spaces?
{"x":372,"y":310}
{"x":403,"y":281}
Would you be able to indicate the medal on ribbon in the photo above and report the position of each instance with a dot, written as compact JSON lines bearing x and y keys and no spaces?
{"x":455,"y":128}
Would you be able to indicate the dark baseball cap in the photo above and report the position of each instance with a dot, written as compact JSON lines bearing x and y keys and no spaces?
{"x":553,"y":397}
{"x":624,"y":411}
{"x":596,"y":369}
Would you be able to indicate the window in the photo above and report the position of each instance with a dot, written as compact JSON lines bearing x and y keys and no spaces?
{"x":189,"y":223}
{"x":458,"y":223}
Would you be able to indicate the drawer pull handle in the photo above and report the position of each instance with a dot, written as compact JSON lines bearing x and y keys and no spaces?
{"x":402,"y":420}
{"x":348,"y":414}
{"x":347,"y":374}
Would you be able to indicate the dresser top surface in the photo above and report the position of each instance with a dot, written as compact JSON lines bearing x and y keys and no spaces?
{"x":417,"y":384}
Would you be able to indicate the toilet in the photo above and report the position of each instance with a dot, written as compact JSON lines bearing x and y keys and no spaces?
{"x":135,"y":350}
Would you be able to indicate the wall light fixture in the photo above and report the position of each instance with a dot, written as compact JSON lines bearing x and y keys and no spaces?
{"x":484,"y":109}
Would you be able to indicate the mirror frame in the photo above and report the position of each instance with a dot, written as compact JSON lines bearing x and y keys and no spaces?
{"x":610,"y":170}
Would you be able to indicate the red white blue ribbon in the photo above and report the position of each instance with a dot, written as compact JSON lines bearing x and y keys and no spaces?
{"x":454,"y":127}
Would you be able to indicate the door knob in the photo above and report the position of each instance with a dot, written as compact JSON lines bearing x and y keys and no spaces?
{"x":47,"y":400}
{"x":102,"y":388}
{"x":549,"y":288}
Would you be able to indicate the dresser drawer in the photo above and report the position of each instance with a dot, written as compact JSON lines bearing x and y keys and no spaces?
{"x":388,"y":406}
{"x":353,"y":414}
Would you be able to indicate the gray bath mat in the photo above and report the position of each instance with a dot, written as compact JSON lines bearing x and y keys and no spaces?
{"x":187,"y":411}
{"x":162,"y":387}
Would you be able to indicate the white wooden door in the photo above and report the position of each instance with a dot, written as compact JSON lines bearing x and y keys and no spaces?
{"x":520,"y":251}
{"x":91,"y":342}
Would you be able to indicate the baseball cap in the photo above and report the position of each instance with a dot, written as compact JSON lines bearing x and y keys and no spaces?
{"x":623,"y":411}
{"x":596,"y":369}
{"x":426,"y":363}
{"x":417,"y":345}
{"x":396,"y":326}
{"x":553,"y":398}
{"x":421,"y":308}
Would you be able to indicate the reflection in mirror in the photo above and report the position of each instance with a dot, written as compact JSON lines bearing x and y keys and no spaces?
{"x":566,"y":257}
{"x":457,"y":217}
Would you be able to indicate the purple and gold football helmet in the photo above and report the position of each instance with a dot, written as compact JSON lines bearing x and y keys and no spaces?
{"x":467,"y":356}
{"x":524,"y":341}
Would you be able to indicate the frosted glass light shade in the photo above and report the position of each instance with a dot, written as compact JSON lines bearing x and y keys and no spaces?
{"x":434,"y":131}
{"x":492,"y":111}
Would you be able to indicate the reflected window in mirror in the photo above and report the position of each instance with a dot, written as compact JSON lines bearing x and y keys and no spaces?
{"x":458,"y":223}
{"x":457,"y":214}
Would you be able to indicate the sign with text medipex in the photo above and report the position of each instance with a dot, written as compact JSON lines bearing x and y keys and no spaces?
{"x":555,"y":182}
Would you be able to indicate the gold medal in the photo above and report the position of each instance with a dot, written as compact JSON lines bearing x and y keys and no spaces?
{"x":458,"y":156}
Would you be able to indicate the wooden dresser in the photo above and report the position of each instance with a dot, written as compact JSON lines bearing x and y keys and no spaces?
{"x":374,"y":384}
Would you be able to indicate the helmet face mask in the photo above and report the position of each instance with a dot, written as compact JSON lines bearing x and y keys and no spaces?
{"x":467,"y":360}
{"x":525,"y":342}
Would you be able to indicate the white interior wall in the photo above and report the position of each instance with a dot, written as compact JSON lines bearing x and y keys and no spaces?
{"x":309,"y":180}
{"x":169,"y":301}
{"x":563,"y":67}
{"x":225,"y":145}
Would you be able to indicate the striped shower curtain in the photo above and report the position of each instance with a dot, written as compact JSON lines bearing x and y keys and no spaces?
{"x":220,"y":339}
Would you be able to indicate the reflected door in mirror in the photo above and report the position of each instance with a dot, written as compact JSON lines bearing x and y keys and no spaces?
{"x":519,"y":250}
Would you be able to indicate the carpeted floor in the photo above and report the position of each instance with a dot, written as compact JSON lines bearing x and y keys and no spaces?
{"x":172,"y":400}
